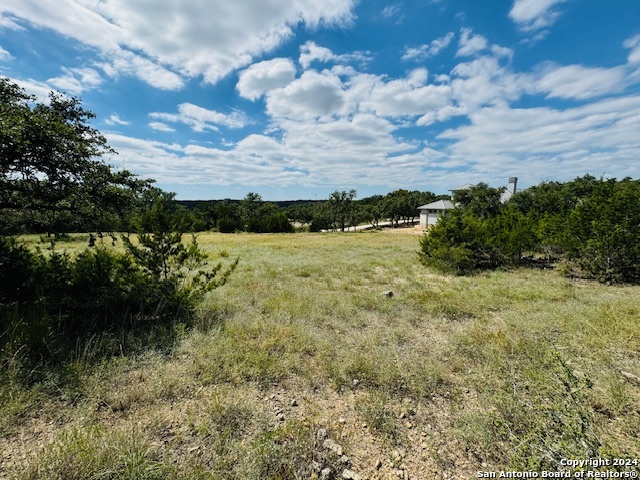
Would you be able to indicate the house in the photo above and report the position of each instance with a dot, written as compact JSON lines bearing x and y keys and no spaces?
{"x":430,"y":213}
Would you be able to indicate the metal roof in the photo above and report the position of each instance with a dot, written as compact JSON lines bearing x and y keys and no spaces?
{"x":438,"y":205}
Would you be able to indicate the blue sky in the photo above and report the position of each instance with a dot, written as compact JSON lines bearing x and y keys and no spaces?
{"x":295,"y":99}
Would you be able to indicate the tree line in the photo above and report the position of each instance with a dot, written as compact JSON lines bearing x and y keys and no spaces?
{"x":590,"y":224}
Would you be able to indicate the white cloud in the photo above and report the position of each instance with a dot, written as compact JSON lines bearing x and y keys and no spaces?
{"x":578,"y":82}
{"x":310,"y":52}
{"x":429,"y":50}
{"x":4,"y":55}
{"x":123,"y":62}
{"x":633,"y":44}
{"x":483,"y":81}
{"x":393,"y":11}
{"x":201,"y":119}
{"x":409,"y":96}
{"x":9,"y":23}
{"x":76,"y":80}
{"x":470,"y":44}
{"x":33,"y":87}
{"x":531,"y":15}
{"x":312,"y":95}
{"x":114,"y":119}
{"x":538,"y":143}
{"x":262,"y":77}
{"x":161,"y":127}
{"x":201,"y":37}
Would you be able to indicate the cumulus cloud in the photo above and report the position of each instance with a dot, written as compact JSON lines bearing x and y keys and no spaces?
{"x":408,"y":96}
{"x":123,"y":62}
{"x":76,"y":80}
{"x":178,"y":39}
{"x":428,"y":50}
{"x":310,"y":52}
{"x":596,"y":137}
{"x":201,"y":119}
{"x":469,"y":44}
{"x":262,"y":77}
{"x":312,"y":95}
{"x":531,"y":15}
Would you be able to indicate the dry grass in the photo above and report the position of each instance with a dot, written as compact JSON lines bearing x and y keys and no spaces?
{"x":505,"y":370}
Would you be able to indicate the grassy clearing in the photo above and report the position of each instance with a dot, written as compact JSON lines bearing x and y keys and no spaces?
{"x":506,"y":370}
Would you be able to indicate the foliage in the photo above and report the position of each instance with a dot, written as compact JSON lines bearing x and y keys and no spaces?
{"x":51,"y":300}
{"x":50,"y":166}
{"x":595,"y":223}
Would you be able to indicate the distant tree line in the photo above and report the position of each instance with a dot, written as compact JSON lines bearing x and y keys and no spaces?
{"x":593,"y":224}
{"x":339,"y":212}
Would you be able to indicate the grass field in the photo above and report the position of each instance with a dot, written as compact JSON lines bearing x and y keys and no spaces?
{"x":301,"y":363}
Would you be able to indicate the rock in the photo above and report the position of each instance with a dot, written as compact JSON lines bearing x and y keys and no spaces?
{"x":342,"y":420}
{"x":280,"y":417}
{"x":403,"y":415}
{"x":294,"y":403}
{"x":630,"y":376}
{"x":348,"y":474}
{"x":378,"y":464}
{"x":325,"y":473}
{"x":321,"y":434}
{"x":333,"y":446}
{"x":408,"y":424}
{"x":388,"y":294}
{"x":316,"y":466}
{"x":344,"y":459}
{"x":355,"y":382}
{"x":399,"y":473}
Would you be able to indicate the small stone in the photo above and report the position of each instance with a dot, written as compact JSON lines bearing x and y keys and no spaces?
{"x":325,"y":473}
{"x":316,"y":466}
{"x":280,"y":417}
{"x":378,"y":464}
{"x":348,"y":474}
{"x":344,"y":459}
{"x":356,"y":382}
{"x":321,"y":434}
{"x":388,"y":294}
{"x":424,"y":446}
{"x":342,"y":420}
{"x":408,"y":424}
{"x":294,"y":403}
{"x":399,"y":473}
{"x":333,"y":446}
{"x":364,"y":425}
{"x":403,"y":415}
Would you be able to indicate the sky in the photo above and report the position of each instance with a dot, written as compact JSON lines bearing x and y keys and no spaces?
{"x":294,"y":99}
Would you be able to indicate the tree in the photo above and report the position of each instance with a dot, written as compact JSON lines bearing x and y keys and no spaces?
{"x":50,"y":161}
{"x":341,"y":206}
{"x":481,"y":200}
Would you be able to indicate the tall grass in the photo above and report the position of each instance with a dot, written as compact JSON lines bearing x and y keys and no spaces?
{"x":510,"y":370}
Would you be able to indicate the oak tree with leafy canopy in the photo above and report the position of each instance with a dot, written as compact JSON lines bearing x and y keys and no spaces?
{"x":50,"y":160}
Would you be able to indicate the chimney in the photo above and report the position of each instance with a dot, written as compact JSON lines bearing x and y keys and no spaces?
{"x":513,"y":182}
